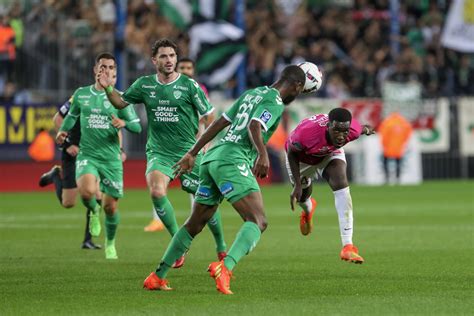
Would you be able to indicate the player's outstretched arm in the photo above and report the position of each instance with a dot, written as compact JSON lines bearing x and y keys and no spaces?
{"x":293,"y":161}
{"x":262,"y":164}
{"x":186,"y":163}
{"x":114,"y":97}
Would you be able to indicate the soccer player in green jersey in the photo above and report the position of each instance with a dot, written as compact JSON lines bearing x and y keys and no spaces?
{"x":173,"y":103}
{"x":229,"y":169}
{"x":99,"y":154}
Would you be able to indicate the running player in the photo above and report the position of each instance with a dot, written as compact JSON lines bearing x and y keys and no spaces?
{"x":229,"y":169}
{"x":314,"y":149}
{"x":186,"y":67}
{"x":173,"y":103}
{"x":99,"y":156}
{"x":65,"y":186}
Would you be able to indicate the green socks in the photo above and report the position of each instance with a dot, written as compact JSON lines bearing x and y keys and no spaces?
{"x":111,"y":223}
{"x":215,"y":225}
{"x":165,"y":211}
{"x":92,"y":205}
{"x":178,"y":246}
{"x":247,"y":238}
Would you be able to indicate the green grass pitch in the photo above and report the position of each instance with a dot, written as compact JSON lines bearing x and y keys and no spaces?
{"x":417,"y":242}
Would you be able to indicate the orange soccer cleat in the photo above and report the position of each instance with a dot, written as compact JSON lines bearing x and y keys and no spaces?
{"x":179,"y":262}
{"x":221,"y":275}
{"x":306,"y":220}
{"x":153,"y":283}
{"x":154,"y":226}
{"x":221,"y":255}
{"x":351,"y":253}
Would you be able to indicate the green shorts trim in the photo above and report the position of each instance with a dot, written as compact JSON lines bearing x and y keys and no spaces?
{"x":110,"y":174}
{"x":219,"y":179}
{"x":189,"y":181}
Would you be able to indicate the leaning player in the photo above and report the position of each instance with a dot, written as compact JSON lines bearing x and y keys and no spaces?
{"x":173,"y":103}
{"x":229,"y":169}
{"x":99,"y":156}
{"x":314,"y":149}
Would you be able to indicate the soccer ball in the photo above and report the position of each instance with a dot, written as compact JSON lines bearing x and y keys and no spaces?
{"x":314,"y":77}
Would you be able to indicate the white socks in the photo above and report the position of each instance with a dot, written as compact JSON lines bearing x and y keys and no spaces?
{"x":306,"y":205}
{"x":343,"y":202}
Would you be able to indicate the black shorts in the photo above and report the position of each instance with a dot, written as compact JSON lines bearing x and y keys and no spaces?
{"x":68,"y":163}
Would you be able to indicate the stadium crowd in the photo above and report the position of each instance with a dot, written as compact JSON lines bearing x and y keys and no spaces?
{"x":350,"y":42}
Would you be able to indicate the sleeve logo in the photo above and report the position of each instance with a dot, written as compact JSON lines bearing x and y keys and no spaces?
{"x":266,"y":116}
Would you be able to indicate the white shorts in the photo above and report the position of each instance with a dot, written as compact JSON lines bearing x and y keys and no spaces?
{"x":308,"y":172}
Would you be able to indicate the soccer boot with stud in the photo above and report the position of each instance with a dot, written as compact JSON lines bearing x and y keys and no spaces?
{"x":154,"y":283}
{"x":221,"y":275}
{"x":306,"y":220}
{"x":351,"y":253}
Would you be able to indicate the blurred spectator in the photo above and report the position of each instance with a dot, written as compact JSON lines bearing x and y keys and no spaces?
{"x":348,"y":40}
{"x":395,"y":132}
{"x":464,"y":76}
{"x":7,"y":48}
{"x":43,"y":147}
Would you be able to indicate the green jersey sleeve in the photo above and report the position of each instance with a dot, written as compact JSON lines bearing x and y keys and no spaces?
{"x":267,"y":114}
{"x":132,"y":122}
{"x":233,"y":110}
{"x":199,"y":99}
{"x":134,"y":93}
{"x":73,"y":114}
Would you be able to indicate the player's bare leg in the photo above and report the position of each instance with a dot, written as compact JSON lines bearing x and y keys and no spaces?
{"x":179,"y":245}
{"x":112,"y":219}
{"x":250,"y":209}
{"x":69,"y":198}
{"x":87,"y":186}
{"x":158,"y":186}
{"x":335,"y":174}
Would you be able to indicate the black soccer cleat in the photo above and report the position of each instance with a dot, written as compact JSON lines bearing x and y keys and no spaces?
{"x":88,"y":244}
{"x":47,"y":178}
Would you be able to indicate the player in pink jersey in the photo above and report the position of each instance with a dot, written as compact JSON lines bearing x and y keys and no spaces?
{"x":314,"y":149}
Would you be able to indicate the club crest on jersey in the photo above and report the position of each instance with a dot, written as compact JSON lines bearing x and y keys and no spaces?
{"x":266,"y":116}
{"x":177,"y":94}
{"x":107,"y":104}
{"x":152,"y":94}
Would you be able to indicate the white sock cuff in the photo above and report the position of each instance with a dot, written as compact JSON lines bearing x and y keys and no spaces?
{"x":344,"y":190}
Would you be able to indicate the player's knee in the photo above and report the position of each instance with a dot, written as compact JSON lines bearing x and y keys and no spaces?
{"x":110,"y":208}
{"x":339,"y":184}
{"x":68,"y":204}
{"x":157,"y":192}
{"x":87,"y":194}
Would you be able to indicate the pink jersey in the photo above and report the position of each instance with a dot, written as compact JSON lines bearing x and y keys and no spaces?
{"x":309,"y":139}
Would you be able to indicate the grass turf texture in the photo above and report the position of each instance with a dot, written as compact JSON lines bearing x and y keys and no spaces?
{"x":417,"y":242}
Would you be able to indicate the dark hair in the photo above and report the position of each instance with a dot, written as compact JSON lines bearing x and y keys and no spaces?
{"x":340,"y":115}
{"x":293,"y":75}
{"x":105,"y":56}
{"x":186,"y":60}
{"x":163,"y":43}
